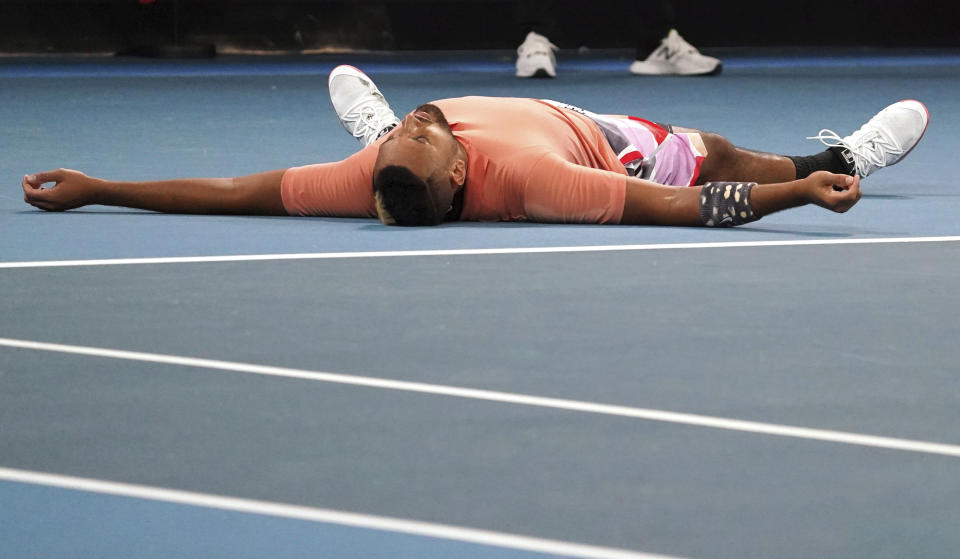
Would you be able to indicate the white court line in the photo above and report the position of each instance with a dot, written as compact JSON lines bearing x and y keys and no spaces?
{"x":467,"y":252}
{"x":399,"y":525}
{"x":507,"y":397}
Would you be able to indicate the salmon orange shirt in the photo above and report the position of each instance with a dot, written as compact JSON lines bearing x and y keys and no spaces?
{"x":528,"y":160}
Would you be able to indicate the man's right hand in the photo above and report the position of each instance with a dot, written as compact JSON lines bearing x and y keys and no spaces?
{"x":832,"y":191}
{"x":71,"y":189}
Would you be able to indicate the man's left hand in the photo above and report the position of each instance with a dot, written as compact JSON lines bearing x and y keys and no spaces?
{"x":71,"y":189}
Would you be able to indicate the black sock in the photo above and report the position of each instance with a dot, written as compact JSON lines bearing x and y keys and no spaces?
{"x":835,"y":160}
{"x":387,"y":129}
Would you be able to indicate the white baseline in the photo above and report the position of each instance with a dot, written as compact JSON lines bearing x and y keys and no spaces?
{"x":399,"y":525}
{"x":467,"y":252}
{"x":505,"y":397}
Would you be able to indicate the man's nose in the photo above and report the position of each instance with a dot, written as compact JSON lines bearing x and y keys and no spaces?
{"x":411,"y":122}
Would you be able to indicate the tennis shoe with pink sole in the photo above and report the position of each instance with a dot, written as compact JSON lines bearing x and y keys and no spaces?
{"x":361,"y":108}
{"x":884,"y":140}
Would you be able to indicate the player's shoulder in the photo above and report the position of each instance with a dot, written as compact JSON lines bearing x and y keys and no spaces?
{"x":475,"y":100}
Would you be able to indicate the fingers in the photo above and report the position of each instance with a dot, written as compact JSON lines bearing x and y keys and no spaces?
{"x":47,"y":176}
{"x":837,"y":181}
{"x":36,"y":197}
{"x":848,"y":195}
{"x":851,"y":190}
{"x":855,"y":185}
{"x":34,"y":193}
{"x":45,"y":206}
{"x":29,"y":189}
{"x":843,"y":181}
{"x":32,"y":190}
{"x":37,"y":180}
{"x":63,"y":195}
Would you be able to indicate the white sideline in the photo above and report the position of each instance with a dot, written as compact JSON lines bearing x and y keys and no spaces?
{"x":399,"y":525}
{"x":506,"y":397}
{"x":467,"y":252}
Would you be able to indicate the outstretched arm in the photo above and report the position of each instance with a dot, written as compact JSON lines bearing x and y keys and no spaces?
{"x":252,"y":195}
{"x":648,"y":203}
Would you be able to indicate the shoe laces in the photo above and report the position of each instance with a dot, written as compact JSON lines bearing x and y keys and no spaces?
{"x":369,"y":119}
{"x":869,"y":146}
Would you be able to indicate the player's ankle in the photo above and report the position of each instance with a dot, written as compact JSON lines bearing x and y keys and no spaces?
{"x":831,"y":159}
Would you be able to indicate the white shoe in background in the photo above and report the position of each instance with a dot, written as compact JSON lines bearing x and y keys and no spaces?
{"x":535,"y":58}
{"x":676,"y":57}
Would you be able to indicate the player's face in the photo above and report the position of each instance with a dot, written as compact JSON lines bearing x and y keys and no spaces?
{"x":422,"y":142}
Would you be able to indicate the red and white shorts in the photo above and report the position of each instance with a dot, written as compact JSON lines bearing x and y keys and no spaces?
{"x":649,"y":150}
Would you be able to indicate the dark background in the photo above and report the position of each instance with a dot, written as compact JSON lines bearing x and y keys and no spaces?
{"x":298,"y":25}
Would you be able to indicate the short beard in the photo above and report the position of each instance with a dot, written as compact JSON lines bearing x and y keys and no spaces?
{"x":435,"y":112}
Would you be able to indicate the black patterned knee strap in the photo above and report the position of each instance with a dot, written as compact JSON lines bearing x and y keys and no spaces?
{"x":726,"y":204}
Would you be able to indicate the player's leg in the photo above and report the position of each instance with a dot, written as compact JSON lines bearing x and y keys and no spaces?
{"x":883,"y":141}
{"x":725,"y":161}
{"x":361,"y":108}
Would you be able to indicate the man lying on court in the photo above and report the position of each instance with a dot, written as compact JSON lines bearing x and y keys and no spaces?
{"x":505,"y":159}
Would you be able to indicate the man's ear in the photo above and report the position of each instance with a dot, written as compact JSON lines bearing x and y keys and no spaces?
{"x":458,"y":172}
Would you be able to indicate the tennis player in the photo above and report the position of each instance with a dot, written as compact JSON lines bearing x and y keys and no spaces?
{"x":508,"y":159}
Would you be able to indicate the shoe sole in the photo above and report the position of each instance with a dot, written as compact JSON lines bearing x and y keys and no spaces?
{"x":714,"y":72}
{"x":346,"y":69}
{"x":540,"y":73}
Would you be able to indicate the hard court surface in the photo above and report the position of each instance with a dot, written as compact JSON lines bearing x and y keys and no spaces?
{"x":206,"y":386}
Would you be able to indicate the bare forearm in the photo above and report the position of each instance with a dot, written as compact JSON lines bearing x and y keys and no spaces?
{"x":680,"y":206}
{"x":769,"y":198}
{"x":171,"y":196}
{"x":648,"y":203}
{"x":255,"y":194}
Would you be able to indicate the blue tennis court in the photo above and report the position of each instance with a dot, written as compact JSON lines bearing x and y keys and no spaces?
{"x":221,"y":386}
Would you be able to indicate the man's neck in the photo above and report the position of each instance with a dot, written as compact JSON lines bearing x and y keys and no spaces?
{"x":456,"y":209}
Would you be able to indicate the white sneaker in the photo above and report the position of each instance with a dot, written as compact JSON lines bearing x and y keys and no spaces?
{"x":361,"y":108}
{"x":884,"y":140}
{"x":676,"y":57}
{"x":535,"y":58}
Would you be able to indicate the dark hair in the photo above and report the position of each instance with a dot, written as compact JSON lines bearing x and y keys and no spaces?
{"x":405,"y":198}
